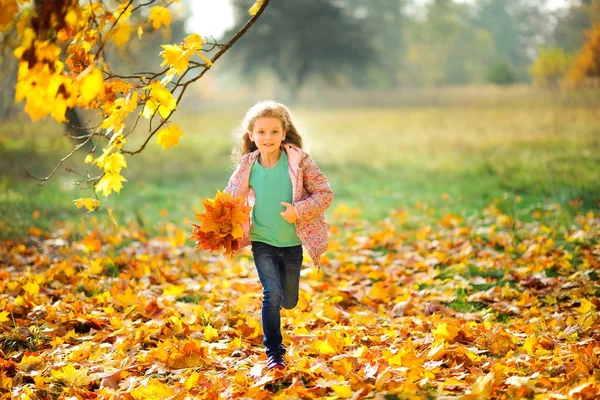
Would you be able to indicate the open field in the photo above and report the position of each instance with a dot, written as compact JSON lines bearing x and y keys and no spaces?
{"x":458,"y":157}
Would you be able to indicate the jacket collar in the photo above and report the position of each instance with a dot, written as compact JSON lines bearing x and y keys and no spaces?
{"x":294,"y":154}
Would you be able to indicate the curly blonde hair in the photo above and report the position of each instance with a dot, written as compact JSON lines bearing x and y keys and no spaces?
{"x":269,"y":109}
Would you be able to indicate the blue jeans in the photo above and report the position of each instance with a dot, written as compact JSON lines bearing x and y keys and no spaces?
{"x":279,"y":273}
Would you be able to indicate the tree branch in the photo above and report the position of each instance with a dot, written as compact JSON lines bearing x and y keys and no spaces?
{"x":43,"y":180}
{"x":221,"y":51}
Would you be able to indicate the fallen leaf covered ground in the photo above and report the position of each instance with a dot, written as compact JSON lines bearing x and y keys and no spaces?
{"x":407,"y":307}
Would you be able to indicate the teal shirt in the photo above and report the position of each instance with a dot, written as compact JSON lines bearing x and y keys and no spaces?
{"x":272,"y":186}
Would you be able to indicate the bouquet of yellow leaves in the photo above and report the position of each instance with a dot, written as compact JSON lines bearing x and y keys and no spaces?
{"x":221,"y":223}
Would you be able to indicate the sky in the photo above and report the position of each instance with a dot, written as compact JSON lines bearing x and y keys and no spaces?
{"x":210,"y":17}
{"x":213,"y":17}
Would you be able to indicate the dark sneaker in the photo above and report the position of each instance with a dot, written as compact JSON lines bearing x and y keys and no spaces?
{"x":275,"y":361}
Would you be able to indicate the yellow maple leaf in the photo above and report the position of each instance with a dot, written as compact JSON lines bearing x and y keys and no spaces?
{"x":116,"y":112}
{"x":32,"y":288}
{"x":110,"y":182}
{"x":176,"y":57}
{"x":323,"y":347}
{"x":123,"y":11}
{"x":174,"y":290}
{"x":255,"y":7}
{"x":119,"y":86}
{"x":159,"y":16}
{"x":530,"y":344}
{"x":152,"y":389}
{"x":161,"y":99}
{"x":193,"y":42}
{"x":90,"y":86}
{"x":585,"y":307}
{"x":70,"y":375}
{"x":89,"y":203}
{"x":192,"y":380}
{"x":36,"y":105}
{"x":122,"y":33}
{"x":210,"y":333}
{"x":440,"y":331}
{"x":114,"y":162}
{"x":169,"y":136}
{"x":72,"y":18}
{"x":445,"y":331}
{"x":343,"y":391}
{"x":4,"y":316}
{"x":60,"y":96}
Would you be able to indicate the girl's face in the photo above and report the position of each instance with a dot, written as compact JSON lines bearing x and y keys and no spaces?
{"x":267,"y":134}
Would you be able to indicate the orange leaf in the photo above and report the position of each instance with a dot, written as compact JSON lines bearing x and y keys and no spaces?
{"x":221,"y":223}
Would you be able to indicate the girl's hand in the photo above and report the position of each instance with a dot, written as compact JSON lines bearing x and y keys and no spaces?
{"x":289,"y":214}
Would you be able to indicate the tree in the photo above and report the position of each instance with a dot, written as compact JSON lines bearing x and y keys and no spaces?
{"x":445,"y":48}
{"x":550,"y":67}
{"x":502,"y":74}
{"x":299,"y":39}
{"x":384,"y":22}
{"x":517,"y":27}
{"x":62,"y":64}
{"x":8,"y":69}
{"x":572,"y":22}
{"x":586,"y":66}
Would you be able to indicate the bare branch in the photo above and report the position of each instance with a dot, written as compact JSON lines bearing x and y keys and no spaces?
{"x":143,"y":5}
{"x":43,"y":180}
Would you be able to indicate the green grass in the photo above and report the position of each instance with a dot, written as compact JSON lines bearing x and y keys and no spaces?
{"x":455,"y":158}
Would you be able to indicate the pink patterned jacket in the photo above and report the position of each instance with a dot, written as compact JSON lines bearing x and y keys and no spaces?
{"x":311,"y":196}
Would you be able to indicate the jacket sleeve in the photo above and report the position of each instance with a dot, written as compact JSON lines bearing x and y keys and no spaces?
{"x":234,"y":178}
{"x":320,"y":196}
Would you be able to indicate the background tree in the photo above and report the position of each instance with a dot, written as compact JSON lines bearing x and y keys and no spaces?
{"x":298,"y":39}
{"x":517,"y":28}
{"x":445,"y":48}
{"x":586,"y":66}
{"x":572,"y":22}
{"x":8,"y":73}
{"x":385,"y":24}
{"x":550,"y":67}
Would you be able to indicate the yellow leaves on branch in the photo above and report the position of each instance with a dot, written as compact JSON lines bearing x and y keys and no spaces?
{"x":159,"y":16}
{"x":169,"y":136}
{"x":61,"y":67}
{"x":160,"y":99}
{"x":112,"y":161}
{"x":91,"y":85}
{"x":116,"y":112}
{"x":178,"y":56}
{"x":44,"y":87}
{"x":110,"y":182}
{"x":122,"y":33}
{"x":221,"y":223}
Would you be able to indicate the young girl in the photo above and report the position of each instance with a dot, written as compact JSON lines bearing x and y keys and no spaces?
{"x":289,"y":195}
